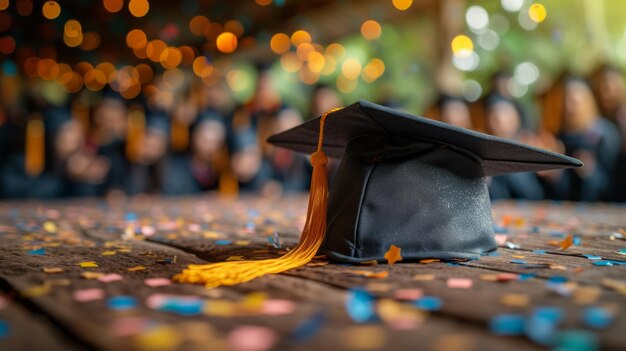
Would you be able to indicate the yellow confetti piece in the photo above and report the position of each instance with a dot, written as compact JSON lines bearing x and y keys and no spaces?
{"x":91,"y":275}
{"x":36,"y":290}
{"x":518,"y":256}
{"x":424,"y":277}
{"x":108,"y":253}
{"x":489,"y":277}
{"x":253,"y":301}
{"x":368,"y":263}
{"x":211,"y":235}
{"x":50,"y":227}
{"x":587,"y":295}
{"x":136,"y":268}
{"x":235,"y":258}
{"x":221,"y":308}
{"x":52,"y":270}
{"x":59,"y":282}
{"x":88,"y":264}
{"x":242,"y":242}
{"x":159,"y":338}
{"x":617,"y":285}
{"x":515,"y":300}
{"x":569,"y":241}
{"x":125,"y":250}
{"x":429,"y":260}
{"x":369,"y":274}
{"x":366,"y":337}
{"x":393,"y":255}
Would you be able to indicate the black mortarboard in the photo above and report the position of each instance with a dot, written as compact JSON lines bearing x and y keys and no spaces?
{"x":411,"y":182}
{"x":406,"y":181}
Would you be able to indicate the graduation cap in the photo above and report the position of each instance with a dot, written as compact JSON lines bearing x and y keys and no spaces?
{"x":404,"y":180}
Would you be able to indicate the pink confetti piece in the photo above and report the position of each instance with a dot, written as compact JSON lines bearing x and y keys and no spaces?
{"x":276,"y":307}
{"x":460,"y":283}
{"x":108,"y":278}
{"x":157,"y":282}
{"x":86,"y":295}
{"x":128,"y":326}
{"x":501,"y":239}
{"x":408,"y":294}
{"x":405,"y":323}
{"x":252,"y":338}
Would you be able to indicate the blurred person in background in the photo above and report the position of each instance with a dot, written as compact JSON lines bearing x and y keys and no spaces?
{"x":323,"y":99}
{"x":251,"y":170}
{"x":199,"y":170}
{"x":610,"y":91}
{"x":452,"y":110}
{"x":590,"y":138}
{"x":505,"y":120}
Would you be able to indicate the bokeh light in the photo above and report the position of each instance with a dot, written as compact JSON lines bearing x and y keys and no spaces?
{"x":51,"y":9}
{"x":136,"y":38}
{"x":113,"y":6}
{"x":351,"y":68}
{"x":371,"y":30}
{"x":402,"y":4}
{"x":299,"y":37}
{"x":226,"y":42}
{"x":280,"y":43}
{"x":138,"y":8}
{"x":462,"y":46}
{"x":537,"y":12}
{"x":199,"y":24}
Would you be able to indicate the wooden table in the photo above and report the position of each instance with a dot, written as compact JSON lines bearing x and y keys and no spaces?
{"x":536,"y":292}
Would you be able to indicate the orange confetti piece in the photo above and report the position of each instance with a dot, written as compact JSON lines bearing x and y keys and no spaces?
{"x":393,"y":255}
{"x":569,"y":241}
{"x":91,"y":275}
{"x":235,"y":258}
{"x":429,"y":260}
{"x":51,"y":270}
{"x":368,"y":274}
{"x":136,"y":268}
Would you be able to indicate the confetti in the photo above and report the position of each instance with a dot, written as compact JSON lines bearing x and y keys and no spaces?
{"x":459,"y":283}
{"x":592,"y":257}
{"x":369,"y":274}
{"x":518,"y":261}
{"x":50,"y":227}
{"x":223,"y":242}
{"x":424,"y":277}
{"x":108,"y":278}
{"x":501,"y":239}
{"x":360,"y":305}
{"x":622,"y":251}
{"x":108,"y":253}
{"x":157,"y":282}
{"x":515,"y":300}
{"x":235,"y":258}
{"x":136,"y":268}
{"x":597,"y":317}
{"x":577,"y":340}
{"x":408,"y":294}
{"x":367,"y":337}
{"x":429,"y":260}
{"x":252,"y":338}
{"x":276,"y":307}
{"x":37,"y":290}
{"x":429,"y":303}
{"x":88,"y":264}
{"x":52,"y":270}
{"x":539,"y":252}
{"x":309,"y":328}
{"x":587,"y":295}
{"x":4,"y":329}
{"x":91,"y":275}
{"x":393,"y":255}
{"x":37,"y":252}
{"x":122,"y":303}
{"x":159,"y":338}
{"x":569,"y":241}
{"x":182,"y":305}
{"x":507,"y":324}
{"x":128,"y":326}
{"x":86,"y":295}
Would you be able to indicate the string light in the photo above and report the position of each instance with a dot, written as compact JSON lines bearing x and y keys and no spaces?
{"x":462,"y":46}
{"x":51,"y":9}
{"x":371,"y":30}
{"x":402,"y":4}
{"x":138,"y":8}
{"x":280,"y":43}
{"x":113,"y":6}
{"x":198,"y":25}
{"x":351,"y":68}
{"x":4,"y":4}
{"x":136,"y":38}
{"x":537,"y":12}
{"x":300,"y":36}
{"x":226,"y":42}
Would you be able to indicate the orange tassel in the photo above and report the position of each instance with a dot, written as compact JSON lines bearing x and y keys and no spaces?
{"x":236,"y":272}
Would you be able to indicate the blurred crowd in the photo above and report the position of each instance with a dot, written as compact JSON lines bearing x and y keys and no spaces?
{"x":206,"y":142}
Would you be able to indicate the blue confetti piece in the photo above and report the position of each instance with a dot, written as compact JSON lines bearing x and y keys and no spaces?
{"x":592,"y":257}
{"x":4,"y":329}
{"x":539,"y":252}
{"x":603,"y":263}
{"x":223,"y":242}
{"x":526,"y":276}
{"x":557,"y":279}
{"x":507,"y":324}
{"x":541,"y":330}
{"x":360,"y":306}
{"x":429,"y":303}
{"x":557,"y":234}
{"x":517,"y":261}
{"x":622,"y":251}
{"x":553,"y":315}
{"x":183,"y":306}
{"x":309,"y":328}
{"x":597,"y":317}
{"x":40,"y":252}
{"x":130,"y":217}
{"x":577,"y":340}
{"x":274,"y":239}
{"x":577,"y":240}
{"x":122,"y":303}
{"x":494,"y":254}
{"x":534,"y":230}
{"x":500,"y":230}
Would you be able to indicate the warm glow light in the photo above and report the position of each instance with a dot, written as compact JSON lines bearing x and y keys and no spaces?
{"x":336,"y":50}
{"x":154,"y":50}
{"x":113,"y":6}
{"x":371,"y":30}
{"x":316,"y":61}
{"x":462,"y":46}
{"x":173,"y":78}
{"x":91,"y":40}
{"x":171,"y":57}
{"x":226,"y":42}
{"x":346,"y":85}
{"x":4,"y":4}
{"x":290,"y":62}
{"x":304,"y":50}
{"x":198,"y":25}
{"x":73,"y":29}
{"x":402,"y":4}
{"x":138,"y":8}
{"x":73,"y":41}
{"x":7,"y":45}
{"x":234,"y":27}
{"x":280,"y":43}
{"x":373,"y":70}
{"x":351,"y":68}
{"x":537,"y":12}
{"x":299,"y":37}
{"x":263,"y":2}
{"x":108,"y":69}
{"x":95,"y":80}
{"x":145,"y":73}
{"x":202,"y":67}
{"x":307,"y":76}
{"x":24,"y":7}
{"x":51,"y":9}
{"x":188,"y":54}
{"x":136,"y":38}
{"x":83,"y":67}
{"x":330,"y":65}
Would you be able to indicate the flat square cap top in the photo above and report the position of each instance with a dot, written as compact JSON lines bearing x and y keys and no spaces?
{"x":363,"y":118}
